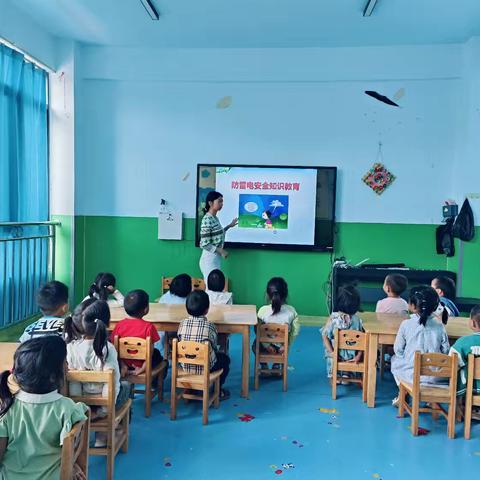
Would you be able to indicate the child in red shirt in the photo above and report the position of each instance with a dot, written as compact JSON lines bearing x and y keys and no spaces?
{"x":136,"y":304}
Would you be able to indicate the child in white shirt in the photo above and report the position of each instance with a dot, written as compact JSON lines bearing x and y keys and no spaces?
{"x":88,"y":348}
{"x":216,"y":287}
{"x":180,"y":287}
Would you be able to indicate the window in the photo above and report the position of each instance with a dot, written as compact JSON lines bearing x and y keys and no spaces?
{"x":24,"y":248}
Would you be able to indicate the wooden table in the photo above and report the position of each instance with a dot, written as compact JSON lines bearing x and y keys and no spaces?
{"x":382,"y":329}
{"x":227,"y":319}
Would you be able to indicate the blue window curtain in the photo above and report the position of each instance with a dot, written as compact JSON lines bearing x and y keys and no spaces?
{"x":23,"y":183}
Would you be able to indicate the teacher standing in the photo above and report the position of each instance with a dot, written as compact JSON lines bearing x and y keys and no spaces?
{"x":212,"y":235}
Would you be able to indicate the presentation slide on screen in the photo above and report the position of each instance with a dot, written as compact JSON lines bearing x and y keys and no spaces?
{"x":273,"y":205}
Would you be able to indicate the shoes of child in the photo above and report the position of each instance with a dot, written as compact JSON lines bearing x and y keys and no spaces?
{"x":224,"y":394}
{"x":101,"y":438}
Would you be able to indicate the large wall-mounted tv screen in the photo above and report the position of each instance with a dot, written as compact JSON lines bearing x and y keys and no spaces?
{"x":277,"y":207}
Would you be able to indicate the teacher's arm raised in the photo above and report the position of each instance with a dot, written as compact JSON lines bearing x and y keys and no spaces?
{"x":232,"y":224}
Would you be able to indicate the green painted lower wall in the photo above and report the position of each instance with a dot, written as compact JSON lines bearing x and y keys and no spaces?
{"x":128,"y":247}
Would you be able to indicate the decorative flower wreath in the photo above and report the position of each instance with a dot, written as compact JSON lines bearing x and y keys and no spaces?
{"x":378,"y":178}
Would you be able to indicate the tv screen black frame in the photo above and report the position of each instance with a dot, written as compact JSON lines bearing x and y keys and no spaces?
{"x":277,"y":246}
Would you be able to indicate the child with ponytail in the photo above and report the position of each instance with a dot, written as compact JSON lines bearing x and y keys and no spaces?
{"x":278,"y":312}
{"x":35,"y":420}
{"x":103,"y":288}
{"x":88,"y":348}
{"x":344,"y":317}
{"x":420,"y":333}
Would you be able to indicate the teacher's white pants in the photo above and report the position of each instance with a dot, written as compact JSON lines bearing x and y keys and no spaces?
{"x":208,"y":262}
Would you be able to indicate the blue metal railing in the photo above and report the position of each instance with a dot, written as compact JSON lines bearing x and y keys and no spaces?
{"x":27,"y":261}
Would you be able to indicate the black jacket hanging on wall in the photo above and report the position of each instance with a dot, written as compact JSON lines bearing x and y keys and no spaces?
{"x":444,"y":235}
{"x":464,"y":226}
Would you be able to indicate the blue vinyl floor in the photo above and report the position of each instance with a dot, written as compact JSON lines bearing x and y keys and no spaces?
{"x":290,"y":438}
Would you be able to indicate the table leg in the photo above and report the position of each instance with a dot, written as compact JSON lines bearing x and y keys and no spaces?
{"x":245,"y":360}
{"x":372,"y":369}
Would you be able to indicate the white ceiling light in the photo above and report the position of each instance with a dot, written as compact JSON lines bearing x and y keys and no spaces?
{"x":150,"y":8}
{"x":369,"y":7}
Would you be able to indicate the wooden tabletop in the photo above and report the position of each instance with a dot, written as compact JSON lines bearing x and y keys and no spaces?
{"x":218,"y":314}
{"x":389,"y":323}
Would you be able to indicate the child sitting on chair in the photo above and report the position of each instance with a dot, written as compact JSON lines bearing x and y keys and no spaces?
{"x":180,"y":287}
{"x":35,"y":421}
{"x":463,"y":347}
{"x":198,"y":328}
{"x":343,"y":318}
{"x":136,"y":305}
{"x":215,"y":287}
{"x":104,"y":288}
{"x":52,"y":300}
{"x":278,"y":312}
{"x":394,"y":285}
{"x":420,"y":333}
{"x":177,"y":294}
{"x":445,"y":287}
{"x":88,"y":348}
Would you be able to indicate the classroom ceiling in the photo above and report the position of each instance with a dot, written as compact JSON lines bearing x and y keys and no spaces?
{"x":257,"y":23}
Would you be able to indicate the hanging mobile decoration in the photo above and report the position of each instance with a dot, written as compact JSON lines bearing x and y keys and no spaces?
{"x":378,"y":178}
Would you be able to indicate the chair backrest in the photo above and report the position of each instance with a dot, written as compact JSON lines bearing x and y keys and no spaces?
{"x":166,"y":281}
{"x":93,"y":376}
{"x":473,"y":372}
{"x":197,"y":284}
{"x":191,"y":353}
{"x":7,"y":352}
{"x":75,"y":450}
{"x":476,"y":366}
{"x":133,"y":348}
{"x":434,"y":364}
{"x":272,"y":333}
{"x":437,"y":365}
{"x":350,"y":340}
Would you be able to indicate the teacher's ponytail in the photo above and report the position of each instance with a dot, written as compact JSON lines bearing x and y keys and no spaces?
{"x":211,"y":197}
{"x":277,"y":293}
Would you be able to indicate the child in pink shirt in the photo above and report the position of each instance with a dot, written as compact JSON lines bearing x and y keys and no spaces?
{"x":394,"y":285}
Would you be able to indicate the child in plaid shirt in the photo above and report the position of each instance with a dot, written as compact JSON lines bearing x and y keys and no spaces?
{"x":198,"y":328}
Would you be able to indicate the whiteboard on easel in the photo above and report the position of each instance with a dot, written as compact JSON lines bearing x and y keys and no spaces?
{"x":170,"y":225}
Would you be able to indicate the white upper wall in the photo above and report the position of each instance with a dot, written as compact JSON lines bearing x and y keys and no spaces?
{"x":466,"y":170}
{"x":62,"y":132}
{"x":148,"y":117}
